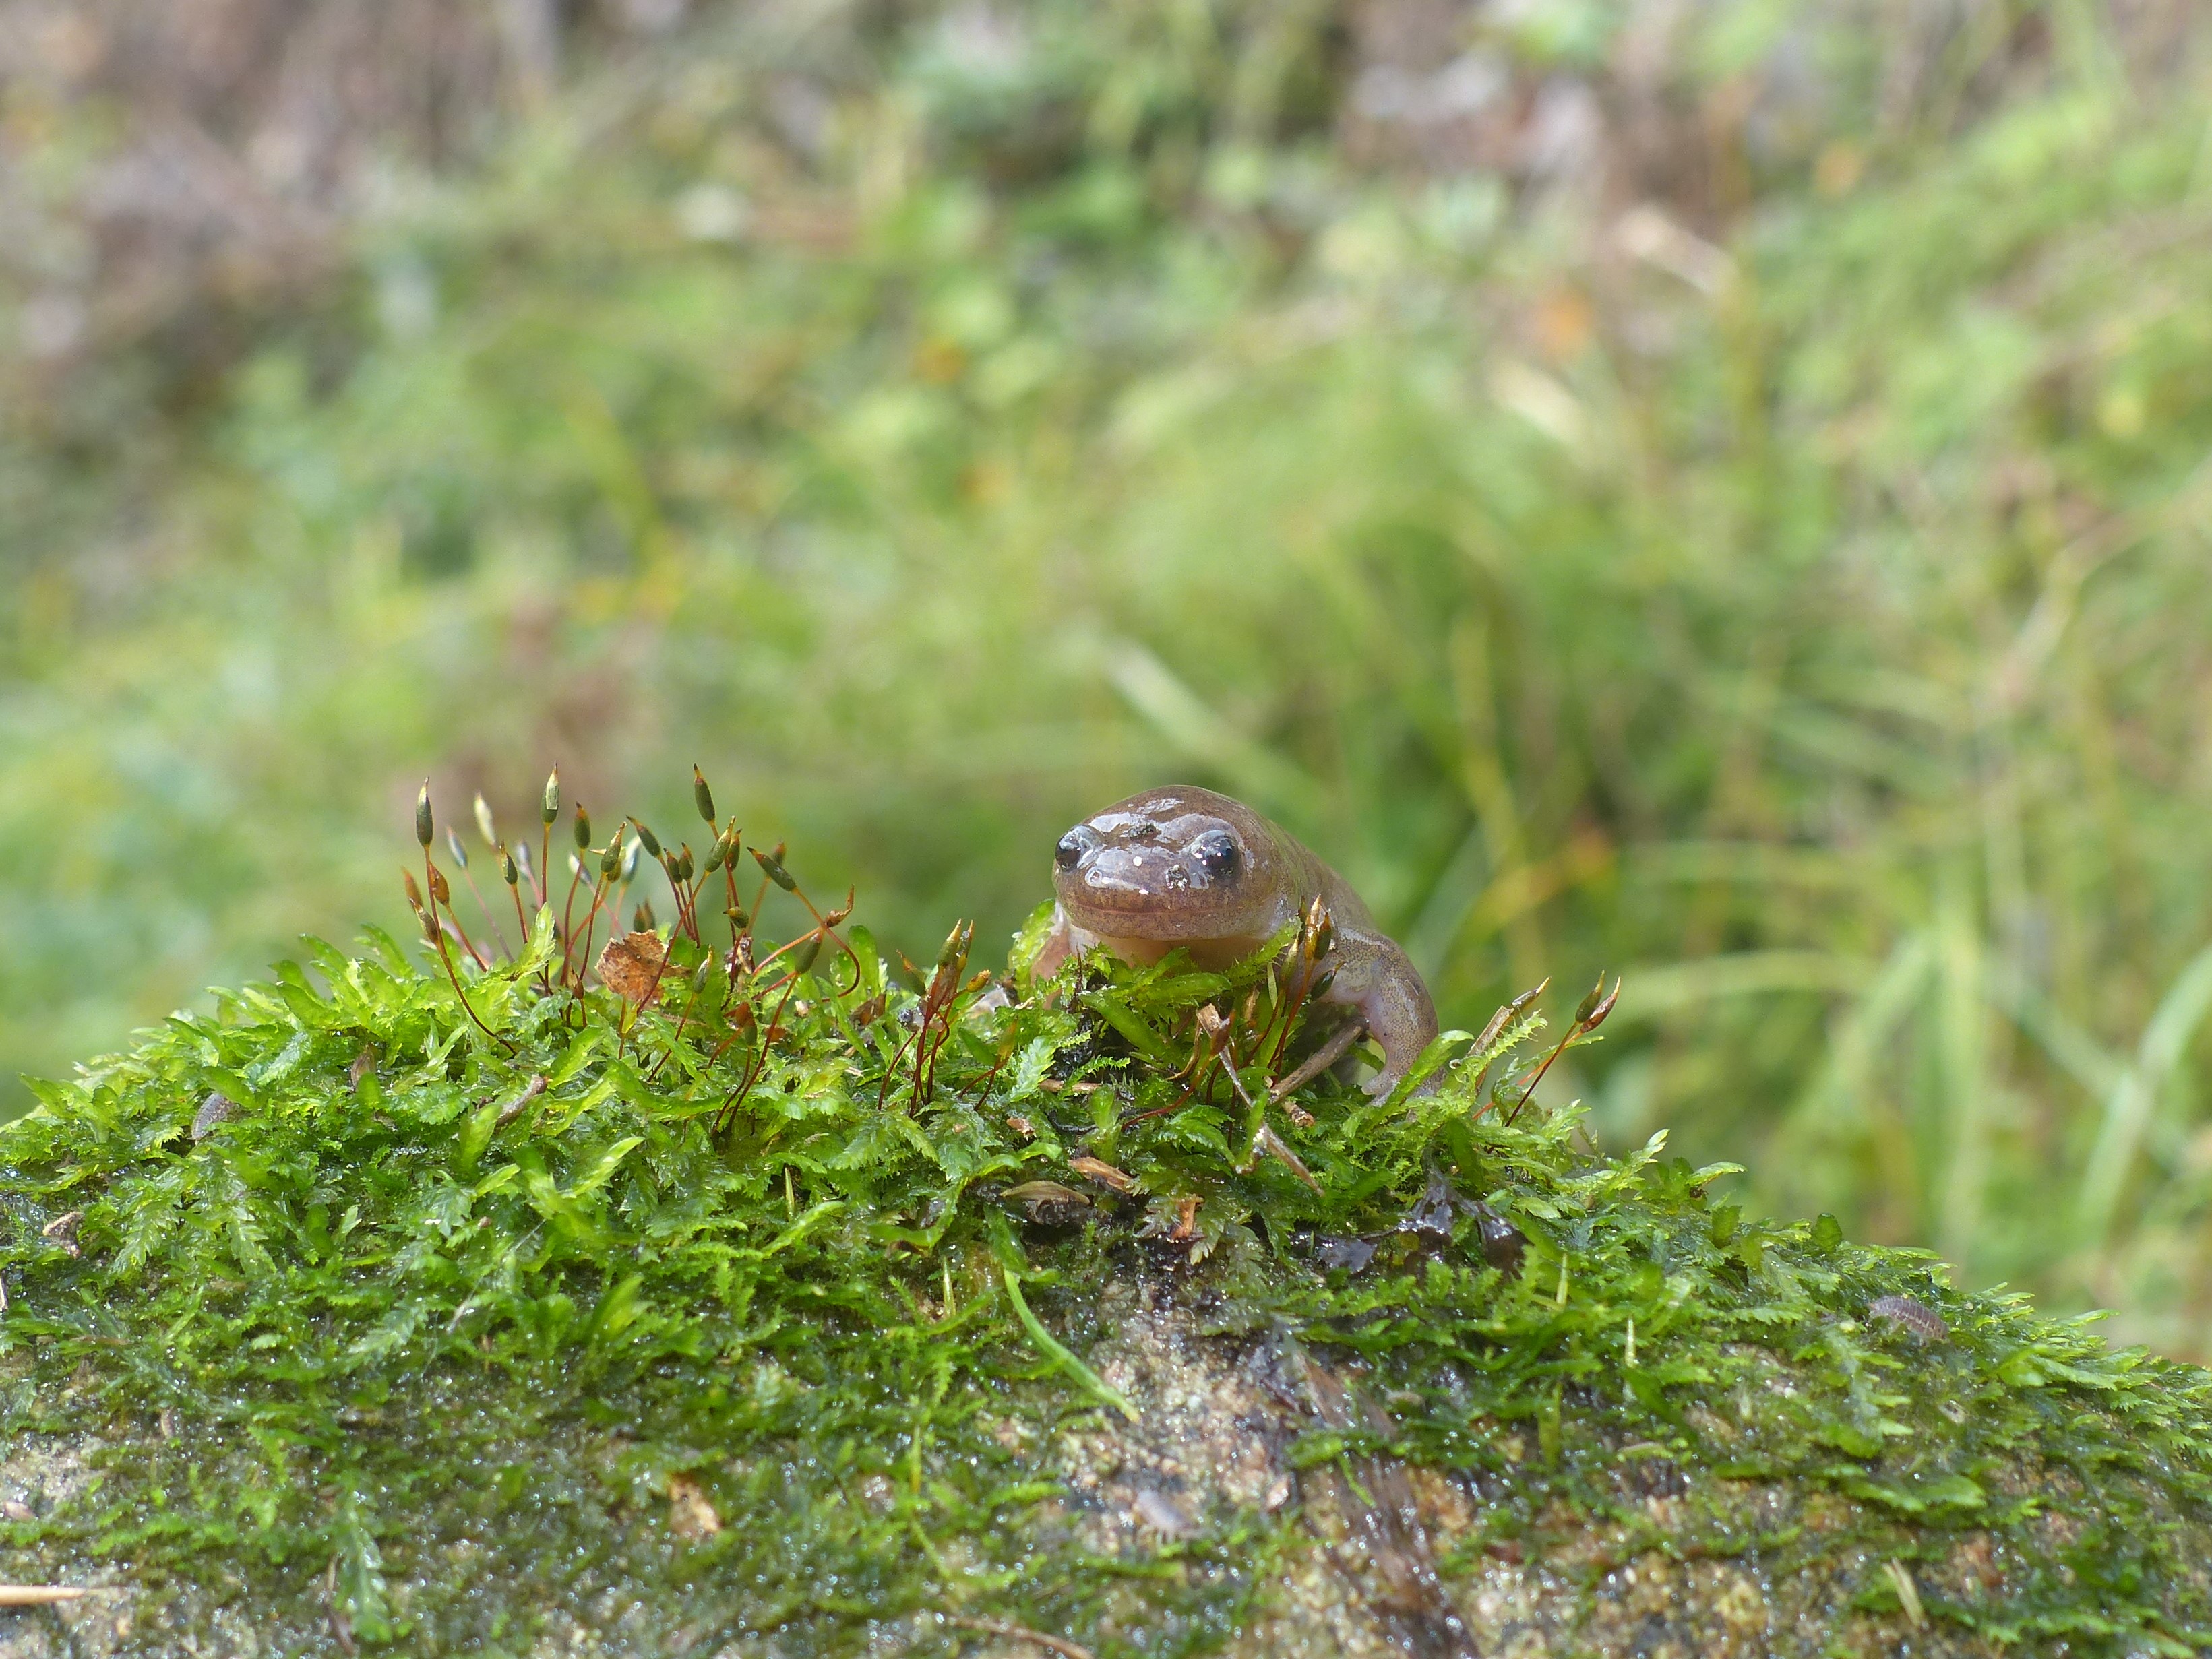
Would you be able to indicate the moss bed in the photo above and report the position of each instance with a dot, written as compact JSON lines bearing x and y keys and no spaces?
{"x":381,"y":1322}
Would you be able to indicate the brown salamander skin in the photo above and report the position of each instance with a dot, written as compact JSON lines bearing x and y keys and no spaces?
{"x":1186,"y":866}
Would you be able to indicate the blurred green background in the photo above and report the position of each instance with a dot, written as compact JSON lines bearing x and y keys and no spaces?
{"x":1713,"y":491}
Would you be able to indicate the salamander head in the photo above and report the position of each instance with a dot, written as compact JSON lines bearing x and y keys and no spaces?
{"x":1175,"y":864}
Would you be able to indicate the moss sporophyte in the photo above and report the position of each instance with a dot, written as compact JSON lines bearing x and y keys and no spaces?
{"x":694,"y":1293}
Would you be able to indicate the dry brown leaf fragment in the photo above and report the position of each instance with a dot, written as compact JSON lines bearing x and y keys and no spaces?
{"x":1047,"y":1198}
{"x":1268,"y":1142}
{"x":690,"y":1514}
{"x":632,"y":967}
{"x":1186,"y":1226}
{"x":1100,"y":1171}
{"x":1908,"y":1594}
{"x":514,"y":1108}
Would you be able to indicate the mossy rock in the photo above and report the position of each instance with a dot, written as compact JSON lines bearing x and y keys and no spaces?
{"x":953,"y":1321}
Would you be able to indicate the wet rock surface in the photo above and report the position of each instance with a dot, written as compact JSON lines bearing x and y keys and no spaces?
{"x":1678,"y":1570}
{"x":1358,"y":1555}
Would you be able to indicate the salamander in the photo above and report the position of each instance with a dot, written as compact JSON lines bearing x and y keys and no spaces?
{"x":1185,"y":866}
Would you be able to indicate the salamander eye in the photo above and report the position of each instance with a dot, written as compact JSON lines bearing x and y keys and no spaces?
{"x":1073,"y":845}
{"x":1216,"y":852}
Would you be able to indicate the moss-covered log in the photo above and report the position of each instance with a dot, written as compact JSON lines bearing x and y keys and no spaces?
{"x":772,"y":1314}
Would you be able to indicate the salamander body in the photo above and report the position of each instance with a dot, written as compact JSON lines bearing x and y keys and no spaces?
{"x":1186,"y":866}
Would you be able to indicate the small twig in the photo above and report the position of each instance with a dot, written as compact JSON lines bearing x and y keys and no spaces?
{"x":1320,"y":1060}
{"x":513,"y":1108}
{"x":46,"y":1596}
{"x":1268,"y":1142}
{"x":1059,"y":1644}
{"x":1265,"y":1139}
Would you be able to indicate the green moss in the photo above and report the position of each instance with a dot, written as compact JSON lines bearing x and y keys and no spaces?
{"x":400,"y":1349}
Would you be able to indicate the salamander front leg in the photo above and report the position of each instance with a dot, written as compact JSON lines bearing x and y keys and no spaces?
{"x":1377,"y":978}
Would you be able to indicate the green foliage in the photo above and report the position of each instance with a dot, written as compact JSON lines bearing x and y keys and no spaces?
{"x":1796,"y":597}
{"x":436,"y":1317}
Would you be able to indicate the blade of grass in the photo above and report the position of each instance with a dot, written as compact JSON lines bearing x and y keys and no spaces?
{"x":1088,"y":1380}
